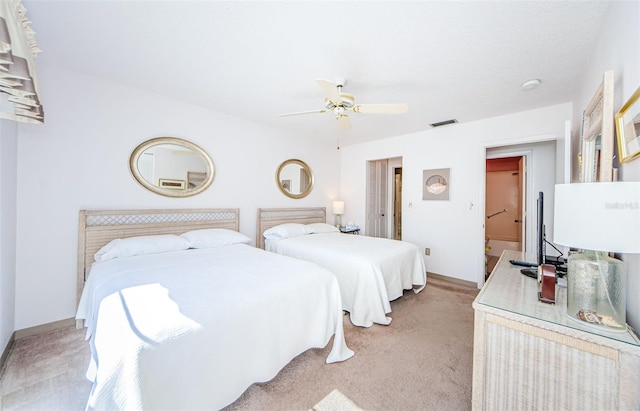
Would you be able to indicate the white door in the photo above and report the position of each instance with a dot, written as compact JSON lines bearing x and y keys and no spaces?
{"x":377,"y":213}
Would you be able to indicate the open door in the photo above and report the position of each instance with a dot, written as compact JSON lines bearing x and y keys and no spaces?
{"x":505,"y":217}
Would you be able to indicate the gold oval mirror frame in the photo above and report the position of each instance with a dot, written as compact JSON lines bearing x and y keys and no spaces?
{"x":172,"y":167}
{"x":294,"y":178}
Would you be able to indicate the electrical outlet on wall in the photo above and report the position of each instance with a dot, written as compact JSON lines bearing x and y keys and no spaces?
{"x":427,"y":251}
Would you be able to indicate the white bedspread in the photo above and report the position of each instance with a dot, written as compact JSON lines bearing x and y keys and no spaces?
{"x":193,"y":329}
{"x":371,"y":271}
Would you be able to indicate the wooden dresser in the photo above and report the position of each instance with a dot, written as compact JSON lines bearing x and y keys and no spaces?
{"x":530,"y":355}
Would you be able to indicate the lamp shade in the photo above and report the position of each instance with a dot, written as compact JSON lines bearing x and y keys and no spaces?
{"x":598,"y":216}
{"x":338,"y":207}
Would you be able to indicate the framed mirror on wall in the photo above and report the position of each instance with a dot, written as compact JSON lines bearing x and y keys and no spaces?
{"x":596,"y":142}
{"x":172,"y":167}
{"x":294,"y":178}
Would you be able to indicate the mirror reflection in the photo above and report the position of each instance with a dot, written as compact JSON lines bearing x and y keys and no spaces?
{"x":294,"y":178}
{"x":172,"y":167}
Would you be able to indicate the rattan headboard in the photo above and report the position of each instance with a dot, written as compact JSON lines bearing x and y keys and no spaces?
{"x":97,"y":227}
{"x":271,"y":217}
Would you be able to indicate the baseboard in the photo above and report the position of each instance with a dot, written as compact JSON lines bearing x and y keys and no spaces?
{"x":7,"y":351}
{"x":43,"y":328}
{"x":456,"y":281}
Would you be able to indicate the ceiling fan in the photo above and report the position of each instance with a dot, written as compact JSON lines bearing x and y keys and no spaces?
{"x":340,"y":103}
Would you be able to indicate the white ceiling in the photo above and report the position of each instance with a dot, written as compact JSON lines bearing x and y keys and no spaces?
{"x":256,"y":59}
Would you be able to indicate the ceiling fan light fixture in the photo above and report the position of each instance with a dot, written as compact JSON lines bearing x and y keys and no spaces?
{"x":347,"y":100}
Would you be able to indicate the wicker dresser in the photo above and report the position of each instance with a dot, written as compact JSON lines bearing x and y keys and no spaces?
{"x":530,"y":355}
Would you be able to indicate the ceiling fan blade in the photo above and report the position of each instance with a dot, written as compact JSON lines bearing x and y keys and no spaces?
{"x":330,"y":91}
{"x":381,"y":108}
{"x":302,"y":112}
{"x":344,"y":122}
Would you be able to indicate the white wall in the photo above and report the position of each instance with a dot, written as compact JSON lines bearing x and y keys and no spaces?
{"x":8,"y":190}
{"x":79,"y":160}
{"x":617,"y":49}
{"x":452,"y":229}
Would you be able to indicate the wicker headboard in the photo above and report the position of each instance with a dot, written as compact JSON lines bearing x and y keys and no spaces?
{"x":271,"y":217}
{"x":97,"y":227}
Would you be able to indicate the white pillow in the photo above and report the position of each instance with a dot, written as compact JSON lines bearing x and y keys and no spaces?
{"x":147,"y":244}
{"x":320,"y":228}
{"x":214,"y":237}
{"x":287,"y":230}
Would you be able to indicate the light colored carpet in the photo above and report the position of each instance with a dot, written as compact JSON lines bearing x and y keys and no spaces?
{"x":47,"y":372}
{"x":421,"y":361}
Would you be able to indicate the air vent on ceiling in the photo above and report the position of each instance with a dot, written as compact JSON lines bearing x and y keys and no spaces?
{"x":444,"y":123}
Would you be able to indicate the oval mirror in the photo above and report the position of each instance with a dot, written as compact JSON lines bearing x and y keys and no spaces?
{"x":294,"y":178}
{"x":172,"y":167}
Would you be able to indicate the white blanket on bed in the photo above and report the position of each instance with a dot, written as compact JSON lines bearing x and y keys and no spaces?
{"x":193,"y":329}
{"x":371,"y":271}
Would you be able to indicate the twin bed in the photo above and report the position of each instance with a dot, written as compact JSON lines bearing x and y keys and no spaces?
{"x":182,"y":313}
{"x":371,"y":271}
{"x":189,"y":322}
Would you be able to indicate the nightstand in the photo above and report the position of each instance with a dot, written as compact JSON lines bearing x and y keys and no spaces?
{"x":354,"y":231}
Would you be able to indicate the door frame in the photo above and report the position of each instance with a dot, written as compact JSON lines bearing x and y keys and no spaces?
{"x":562,"y":162}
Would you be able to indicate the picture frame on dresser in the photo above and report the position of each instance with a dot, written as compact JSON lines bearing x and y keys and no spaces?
{"x":628,"y":128}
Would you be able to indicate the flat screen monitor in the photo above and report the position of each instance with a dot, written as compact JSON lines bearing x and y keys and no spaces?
{"x":541,"y":241}
{"x":540,"y":245}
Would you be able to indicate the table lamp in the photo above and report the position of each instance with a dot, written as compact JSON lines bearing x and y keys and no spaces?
{"x":338,"y":210}
{"x":597,"y":218}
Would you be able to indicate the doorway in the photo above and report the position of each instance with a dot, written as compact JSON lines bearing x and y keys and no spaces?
{"x":384,"y":198}
{"x":505,"y":197}
{"x":540,"y":173}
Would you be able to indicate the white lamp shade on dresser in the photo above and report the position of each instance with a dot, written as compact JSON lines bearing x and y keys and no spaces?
{"x":598,"y":216}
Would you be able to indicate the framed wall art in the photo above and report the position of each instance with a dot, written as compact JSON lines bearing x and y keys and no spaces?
{"x":436,"y":184}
